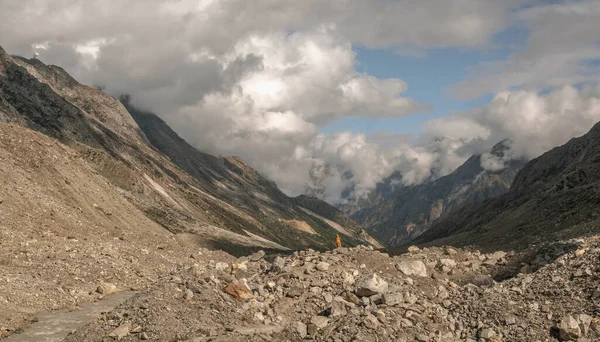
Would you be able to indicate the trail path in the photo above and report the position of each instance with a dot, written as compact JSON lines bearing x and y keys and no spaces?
{"x":56,"y":325}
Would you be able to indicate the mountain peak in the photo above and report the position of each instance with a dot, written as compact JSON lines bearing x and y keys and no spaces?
{"x":501,"y":148}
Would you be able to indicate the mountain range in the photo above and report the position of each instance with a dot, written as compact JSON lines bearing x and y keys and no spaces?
{"x":397,"y":213}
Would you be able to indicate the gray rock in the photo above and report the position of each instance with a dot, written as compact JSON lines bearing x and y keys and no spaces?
{"x":584,"y":323}
{"x":446,"y":265}
{"x":301,"y":329}
{"x":257,"y":256}
{"x":487,"y":333}
{"x":143,"y":336}
{"x":392,"y":299}
{"x":371,"y":286}
{"x":221,"y":266}
{"x":258,"y":329}
{"x":568,"y":329}
{"x":323,"y":266}
{"x":295,"y":291}
{"x":340,"y":307}
{"x":412,"y":267}
{"x":278,"y":264}
{"x":319,"y":321}
{"x":121,"y":331}
{"x":422,"y":338}
{"x":371,"y":322}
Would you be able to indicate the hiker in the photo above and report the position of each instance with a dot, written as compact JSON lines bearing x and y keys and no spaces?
{"x":338,"y":241}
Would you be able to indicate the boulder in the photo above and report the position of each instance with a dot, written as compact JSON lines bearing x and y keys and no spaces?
{"x":568,"y":329}
{"x":340,"y":307}
{"x":106,"y":288}
{"x":412,"y":267}
{"x":371,"y":286}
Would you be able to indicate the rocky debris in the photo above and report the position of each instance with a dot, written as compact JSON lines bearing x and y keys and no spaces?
{"x":291,"y":299}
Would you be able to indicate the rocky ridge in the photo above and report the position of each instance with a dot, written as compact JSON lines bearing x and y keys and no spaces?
{"x":358,"y":294}
{"x":553,"y":198}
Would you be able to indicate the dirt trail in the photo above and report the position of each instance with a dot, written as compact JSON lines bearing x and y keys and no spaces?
{"x":56,"y":325}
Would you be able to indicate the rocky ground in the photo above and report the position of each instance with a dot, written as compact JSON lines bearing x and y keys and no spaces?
{"x":358,"y":294}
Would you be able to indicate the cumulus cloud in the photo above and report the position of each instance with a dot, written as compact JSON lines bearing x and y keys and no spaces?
{"x":563,"y":47}
{"x":258,"y":78}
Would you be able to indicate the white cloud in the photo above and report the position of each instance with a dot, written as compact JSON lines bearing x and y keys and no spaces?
{"x":563,"y":48}
{"x":258,"y":78}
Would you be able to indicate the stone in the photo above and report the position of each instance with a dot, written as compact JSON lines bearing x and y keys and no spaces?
{"x":371,"y":286}
{"x":422,"y":338}
{"x":121,"y":331}
{"x":348,"y":278}
{"x":584,"y":323}
{"x":568,"y":329}
{"x":393,"y":299}
{"x":106,"y":288}
{"x":312,"y":329}
{"x":301,"y":329}
{"x":278,"y":264}
{"x":412,"y":267}
{"x":482,"y":280}
{"x":143,"y":336}
{"x":295,"y":292}
{"x":258,"y":329}
{"x":371,"y":322}
{"x":322,"y":266}
{"x":258,"y":316}
{"x":340,"y":307}
{"x":239,"y":291}
{"x":451,"y":251}
{"x":319,"y":321}
{"x":510,"y":320}
{"x":257,"y":256}
{"x":414,"y":249}
{"x":221,"y":266}
{"x":446,"y":265}
{"x":487,"y":333}
{"x":188,"y":294}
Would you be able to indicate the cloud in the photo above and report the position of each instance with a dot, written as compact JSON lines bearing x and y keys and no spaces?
{"x":563,"y":47}
{"x":258,"y":78}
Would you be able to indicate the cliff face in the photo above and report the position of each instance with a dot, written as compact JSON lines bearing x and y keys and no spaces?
{"x":554,"y":196}
{"x":221,"y":201}
{"x":402,"y":213}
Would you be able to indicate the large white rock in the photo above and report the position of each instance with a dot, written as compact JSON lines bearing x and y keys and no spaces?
{"x":412,"y":267}
{"x":371,"y":286}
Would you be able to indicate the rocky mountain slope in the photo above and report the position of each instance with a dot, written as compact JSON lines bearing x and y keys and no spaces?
{"x":554,"y":196}
{"x":232,"y":180}
{"x":85,"y":197}
{"x":184,"y":191}
{"x":433,"y":294}
{"x":401,"y":213}
{"x":324,"y":211}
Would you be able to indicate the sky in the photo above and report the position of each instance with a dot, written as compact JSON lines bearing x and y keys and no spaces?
{"x":331,"y":97}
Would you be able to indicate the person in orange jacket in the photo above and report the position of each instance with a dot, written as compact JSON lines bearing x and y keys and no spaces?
{"x":338,"y":241}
